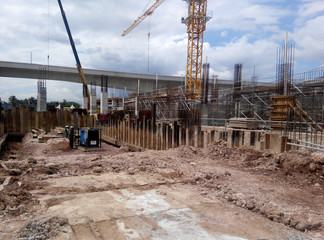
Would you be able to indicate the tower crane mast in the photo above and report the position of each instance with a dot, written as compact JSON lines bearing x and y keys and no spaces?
{"x":196,"y":25}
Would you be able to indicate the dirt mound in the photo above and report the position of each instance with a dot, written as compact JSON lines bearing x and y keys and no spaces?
{"x":294,"y":163}
{"x":42,"y":228}
{"x":58,"y":144}
{"x":15,"y":198}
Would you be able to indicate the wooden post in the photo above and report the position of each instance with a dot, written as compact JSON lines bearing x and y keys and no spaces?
{"x":115,"y":128}
{"x":120,"y":130}
{"x":23,"y":121}
{"x":173,"y":136}
{"x":144,"y":132}
{"x":131,"y":132}
{"x":205,"y":139}
{"x":109,"y":127}
{"x":187,"y":136}
{"x":129,"y":129}
{"x":124,"y":130}
{"x":176,"y":134}
{"x":136,"y":133}
{"x":180,"y":135}
{"x":196,"y":137}
{"x":152,"y":135}
{"x":47,"y":122}
{"x":167,"y":136}
{"x":148,"y":144}
{"x":163,"y":136}
{"x":157,"y":139}
{"x":14,"y":113}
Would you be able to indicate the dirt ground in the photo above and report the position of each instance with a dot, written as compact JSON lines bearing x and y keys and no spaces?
{"x":48,"y":191}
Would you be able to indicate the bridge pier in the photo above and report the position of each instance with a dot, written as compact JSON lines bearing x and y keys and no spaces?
{"x":41,"y":96}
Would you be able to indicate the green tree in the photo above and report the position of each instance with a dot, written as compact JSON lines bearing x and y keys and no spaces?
{"x":13,"y":100}
{"x":32,"y":100}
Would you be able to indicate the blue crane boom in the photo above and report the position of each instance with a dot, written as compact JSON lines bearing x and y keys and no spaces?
{"x":76,"y":56}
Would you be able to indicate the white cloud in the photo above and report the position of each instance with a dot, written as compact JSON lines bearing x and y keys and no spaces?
{"x":309,"y":8}
{"x":260,"y":54}
{"x":308,"y":32}
{"x":224,"y":34}
{"x":255,"y":28}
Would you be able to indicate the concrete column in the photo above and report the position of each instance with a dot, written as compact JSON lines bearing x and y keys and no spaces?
{"x":230,"y":141}
{"x":41,"y":96}
{"x":104,"y":103}
{"x":136,"y":106}
{"x":247,"y":138}
{"x":93,"y":104}
{"x":84,"y":102}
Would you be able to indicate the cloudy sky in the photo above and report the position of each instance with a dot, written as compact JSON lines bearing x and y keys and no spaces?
{"x":241,"y":31}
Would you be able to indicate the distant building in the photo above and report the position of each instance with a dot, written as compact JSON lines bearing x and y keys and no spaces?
{"x":7,"y":106}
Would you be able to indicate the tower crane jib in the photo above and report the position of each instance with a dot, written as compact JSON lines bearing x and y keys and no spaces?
{"x":140,"y":19}
{"x":196,"y":25}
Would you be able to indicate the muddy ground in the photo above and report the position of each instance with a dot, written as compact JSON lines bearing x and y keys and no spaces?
{"x":48,"y":191}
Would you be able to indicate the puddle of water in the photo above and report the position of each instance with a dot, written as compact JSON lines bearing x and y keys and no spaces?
{"x":184,"y":224}
{"x":172,"y":223}
{"x":129,"y":233}
{"x":148,"y":203}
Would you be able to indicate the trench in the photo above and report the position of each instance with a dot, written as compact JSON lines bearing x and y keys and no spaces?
{"x":9,"y":142}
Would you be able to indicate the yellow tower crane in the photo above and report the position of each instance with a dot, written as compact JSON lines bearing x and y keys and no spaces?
{"x":196,"y":25}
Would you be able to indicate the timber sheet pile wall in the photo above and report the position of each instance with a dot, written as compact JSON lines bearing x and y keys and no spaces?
{"x":140,"y":133}
{"x":146,"y":134}
{"x":21,"y":120}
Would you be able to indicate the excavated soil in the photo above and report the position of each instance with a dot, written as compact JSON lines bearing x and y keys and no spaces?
{"x":49,"y":191}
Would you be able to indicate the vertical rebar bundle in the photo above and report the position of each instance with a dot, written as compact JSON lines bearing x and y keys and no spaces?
{"x":238,"y":68}
{"x":285,"y":68}
{"x":205,"y":83}
{"x":41,"y":90}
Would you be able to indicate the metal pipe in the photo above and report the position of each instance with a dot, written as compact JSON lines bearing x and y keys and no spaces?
{"x":298,"y":145}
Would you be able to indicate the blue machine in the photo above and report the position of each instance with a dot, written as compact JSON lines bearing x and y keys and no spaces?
{"x":89,"y":137}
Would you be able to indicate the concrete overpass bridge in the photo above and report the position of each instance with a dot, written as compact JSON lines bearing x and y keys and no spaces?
{"x":119,"y":80}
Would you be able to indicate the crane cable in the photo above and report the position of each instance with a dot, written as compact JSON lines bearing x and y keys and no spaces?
{"x":48,"y":36}
{"x":148,"y":45}
{"x":145,"y":8}
{"x":148,"y":37}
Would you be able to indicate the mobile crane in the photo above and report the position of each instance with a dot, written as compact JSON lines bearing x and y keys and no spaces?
{"x":86,"y":92}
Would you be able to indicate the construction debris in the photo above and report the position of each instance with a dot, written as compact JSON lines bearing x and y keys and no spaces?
{"x":95,"y":192}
